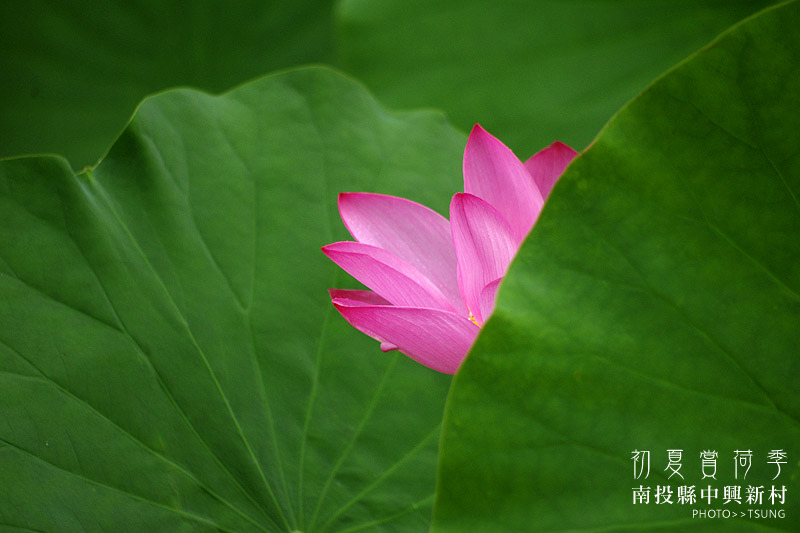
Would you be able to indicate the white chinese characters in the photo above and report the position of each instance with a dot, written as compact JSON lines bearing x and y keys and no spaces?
{"x":704,"y":466}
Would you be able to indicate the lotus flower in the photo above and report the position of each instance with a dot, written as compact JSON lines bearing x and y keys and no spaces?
{"x":434,"y":282}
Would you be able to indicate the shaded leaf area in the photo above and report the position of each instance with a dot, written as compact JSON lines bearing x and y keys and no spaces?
{"x":655,"y":306}
{"x":169,"y":358}
{"x":74,"y":71}
{"x":530,"y":72}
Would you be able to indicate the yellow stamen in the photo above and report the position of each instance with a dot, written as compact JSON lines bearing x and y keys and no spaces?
{"x":473,"y":319}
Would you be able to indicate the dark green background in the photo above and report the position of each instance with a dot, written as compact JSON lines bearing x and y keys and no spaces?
{"x":529,"y":71}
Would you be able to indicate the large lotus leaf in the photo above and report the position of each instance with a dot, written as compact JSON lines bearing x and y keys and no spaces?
{"x":655,"y":306}
{"x":73,"y":71}
{"x":169,"y":358}
{"x":529,"y":71}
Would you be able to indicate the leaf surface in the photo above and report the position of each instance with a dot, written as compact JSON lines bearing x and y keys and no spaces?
{"x":655,"y":306}
{"x":169,"y":357}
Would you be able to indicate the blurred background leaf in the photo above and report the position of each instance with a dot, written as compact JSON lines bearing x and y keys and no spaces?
{"x":169,"y":357}
{"x":529,"y":72}
{"x":655,"y":305}
{"x":73,"y":71}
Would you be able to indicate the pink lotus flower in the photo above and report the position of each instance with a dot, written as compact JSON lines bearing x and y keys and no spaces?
{"x":434,"y":282}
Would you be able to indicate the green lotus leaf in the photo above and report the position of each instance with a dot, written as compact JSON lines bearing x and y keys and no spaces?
{"x":169,"y":357}
{"x":655,"y":306}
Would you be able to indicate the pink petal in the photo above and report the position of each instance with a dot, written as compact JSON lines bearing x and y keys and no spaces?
{"x":547,"y":165}
{"x":412,"y":232}
{"x":357,"y":297}
{"x":437,"y":339}
{"x":352,"y":298}
{"x":390,"y":277}
{"x":493,"y":173}
{"x":488,"y":297}
{"x":349,"y":298}
{"x":484,"y":247}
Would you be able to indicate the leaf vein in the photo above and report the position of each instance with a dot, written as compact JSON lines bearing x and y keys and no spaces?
{"x":184,"y":514}
{"x":125,"y":433}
